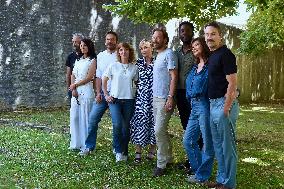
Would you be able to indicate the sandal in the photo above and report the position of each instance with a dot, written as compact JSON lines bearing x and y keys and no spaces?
{"x":137,"y":158}
{"x":151,"y":155}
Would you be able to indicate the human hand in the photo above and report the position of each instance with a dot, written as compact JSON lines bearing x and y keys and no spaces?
{"x":75,"y":93}
{"x":98,"y":98}
{"x":72,"y":87}
{"x":109,"y":99}
{"x":169,"y":104}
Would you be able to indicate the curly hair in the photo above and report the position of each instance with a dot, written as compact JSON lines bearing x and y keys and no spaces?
{"x":205,"y":49}
{"x":128,"y":47}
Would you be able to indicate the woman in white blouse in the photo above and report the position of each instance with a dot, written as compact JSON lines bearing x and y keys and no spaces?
{"x":83,"y":94}
{"x":122,"y":75}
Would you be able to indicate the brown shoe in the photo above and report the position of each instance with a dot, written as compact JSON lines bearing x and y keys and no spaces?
{"x":212,"y":184}
{"x":158,"y":172}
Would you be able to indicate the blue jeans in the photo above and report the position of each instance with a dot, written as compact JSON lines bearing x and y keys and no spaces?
{"x":95,"y":116}
{"x":223,"y":130}
{"x":201,"y":161}
{"x":121,"y":111}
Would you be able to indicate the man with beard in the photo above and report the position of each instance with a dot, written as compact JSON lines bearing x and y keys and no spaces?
{"x":72,"y":57}
{"x":164,"y":86}
{"x":185,"y":63}
{"x":224,"y":108}
{"x":104,"y":59}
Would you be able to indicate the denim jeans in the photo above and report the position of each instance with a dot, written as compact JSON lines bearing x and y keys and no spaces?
{"x":223,"y":130}
{"x":95,"y":116}
{"x":161,"y":118}
{"x":201,"y":161}
{"x":121,"y":111}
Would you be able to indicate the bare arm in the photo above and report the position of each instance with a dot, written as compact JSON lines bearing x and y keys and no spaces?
{"x":98,"y":90}
{"x":89,"y":77}
{"x":74,"y":91}
{"x":173,"y":84}
{"x":231,"y":92}
{"x":107,"y":97}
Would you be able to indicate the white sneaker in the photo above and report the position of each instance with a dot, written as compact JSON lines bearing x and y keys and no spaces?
{"x":118,"y":157}
{"x":192,"y":179}
{"x":85,"y":152}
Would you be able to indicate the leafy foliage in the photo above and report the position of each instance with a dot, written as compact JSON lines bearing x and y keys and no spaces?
{"x":265,"y":28}
{"x":160,"y":11}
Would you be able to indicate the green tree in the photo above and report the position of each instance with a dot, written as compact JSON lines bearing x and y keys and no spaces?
{"x":265,"y":27}
{"x":160,"y":11}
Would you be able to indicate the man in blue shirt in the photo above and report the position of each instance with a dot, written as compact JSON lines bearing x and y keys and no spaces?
{"x":224,"y":108}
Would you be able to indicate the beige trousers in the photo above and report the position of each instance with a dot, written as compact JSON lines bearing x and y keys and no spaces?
{"x":164,"y":146}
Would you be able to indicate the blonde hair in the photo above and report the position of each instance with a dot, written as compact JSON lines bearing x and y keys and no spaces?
{"x":145,"y":42}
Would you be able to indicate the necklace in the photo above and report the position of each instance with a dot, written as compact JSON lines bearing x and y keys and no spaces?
{"x":125,"y":67}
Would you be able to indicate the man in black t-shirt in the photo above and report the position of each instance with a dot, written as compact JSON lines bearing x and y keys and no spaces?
{"x":72,"y":57}
{"x":224,"y":108}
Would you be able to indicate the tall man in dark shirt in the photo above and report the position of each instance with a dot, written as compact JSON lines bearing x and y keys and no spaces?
{"x":72,"y":57}
{"x":185,"y":63}
{"x":224,"y":108}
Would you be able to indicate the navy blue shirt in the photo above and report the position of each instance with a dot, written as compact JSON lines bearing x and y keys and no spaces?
{"x":197,"y":83}
{"x":222,"y":62}
{"x":70,"y":61}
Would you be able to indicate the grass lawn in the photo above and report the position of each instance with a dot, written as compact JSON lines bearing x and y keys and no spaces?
{"x":39,"y":157}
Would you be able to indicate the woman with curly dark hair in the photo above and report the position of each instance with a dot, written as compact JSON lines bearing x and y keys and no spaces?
{"x":82,"y":94}
{"x":201,"y":160}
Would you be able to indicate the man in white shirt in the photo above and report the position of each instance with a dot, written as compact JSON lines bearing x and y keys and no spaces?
{"x":104,"y":59}
{"x":164,"y":86}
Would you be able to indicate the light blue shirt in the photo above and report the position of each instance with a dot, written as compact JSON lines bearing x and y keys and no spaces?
{"x":164,"y":62}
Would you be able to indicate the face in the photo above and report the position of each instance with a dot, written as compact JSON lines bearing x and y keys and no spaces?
{"x":159,"y":42}
{"x":76,"y":43}
{"x":83,"y":47}
{"x":146,"y":50}
{"x":185,"y":33}
{"x":197,"y":48}
{"x":111,"y":42}
{"x":123,"y":53}
{"x":212,"y":38}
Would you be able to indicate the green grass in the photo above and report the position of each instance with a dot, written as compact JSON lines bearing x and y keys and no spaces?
{"x":36,"y":158}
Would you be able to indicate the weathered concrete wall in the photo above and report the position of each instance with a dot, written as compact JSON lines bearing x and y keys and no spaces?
{"x":35,"y":40}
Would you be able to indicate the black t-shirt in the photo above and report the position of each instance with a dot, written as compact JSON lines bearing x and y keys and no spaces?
{"x":70,"y":61}
{"x":222,"y":62}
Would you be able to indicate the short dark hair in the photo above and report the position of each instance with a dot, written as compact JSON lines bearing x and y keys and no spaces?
{"x":131,"y":52}
{"x":91,"y":48}
{"x":215,"y":25}
{"x":165,"y":33}
{"x":206,"y":51}
{"x":186,"y":23}
{"x":113,"y":33}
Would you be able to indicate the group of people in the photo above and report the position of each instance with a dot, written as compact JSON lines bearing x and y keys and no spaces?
{"x":200,"y":78}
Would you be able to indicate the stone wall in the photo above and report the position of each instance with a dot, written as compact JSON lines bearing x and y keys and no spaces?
{"x":36,"y":39}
